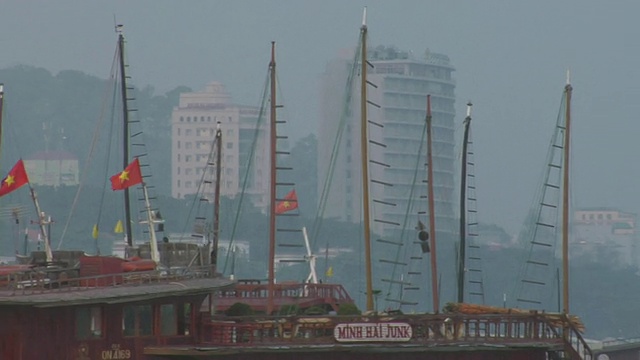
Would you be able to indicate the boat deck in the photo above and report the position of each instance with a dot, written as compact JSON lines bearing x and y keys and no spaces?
{"x":408,"y":334}
{"x":304,"y":295}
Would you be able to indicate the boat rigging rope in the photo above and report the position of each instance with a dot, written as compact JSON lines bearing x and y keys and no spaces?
{"x":245,"y":182}
{"x":200,"y":190}
{"x":410,"y":203}
{"x":528,"y":235}
{"x":91,"y":153}
{"x":345,"y":114}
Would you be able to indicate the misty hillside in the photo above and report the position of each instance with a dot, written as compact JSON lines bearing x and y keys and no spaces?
{"x":60,"y":111}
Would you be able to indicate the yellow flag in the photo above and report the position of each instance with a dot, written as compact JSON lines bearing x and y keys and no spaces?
{"x":329,"y":272}
{"x":118,"y":229}
{"x":95,"y":231}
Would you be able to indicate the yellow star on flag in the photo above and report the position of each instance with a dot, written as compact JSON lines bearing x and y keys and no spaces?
{"x":286,"y":204}
{"x":124,"y":176}
{"x":10,"y":180}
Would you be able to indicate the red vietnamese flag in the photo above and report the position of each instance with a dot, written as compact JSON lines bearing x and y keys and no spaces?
{"x":289,"y":203}
{"x":130,"y":176}
{"x":16,"y":178}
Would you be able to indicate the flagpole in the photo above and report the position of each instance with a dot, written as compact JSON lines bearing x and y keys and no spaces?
{"x":42,"y":222}
{"x":153,"y":242}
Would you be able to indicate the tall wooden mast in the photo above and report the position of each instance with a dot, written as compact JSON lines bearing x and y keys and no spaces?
{"x":364,"y":141}
{"x":565,"y":198}
{"x":125,"y":133}
{"x":432,"y":213}
{"x":272,"y":187}
{"x":463,"y":207}
{"x":216,"y":200}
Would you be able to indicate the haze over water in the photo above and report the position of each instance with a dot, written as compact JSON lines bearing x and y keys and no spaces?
{"x":510,"y":60}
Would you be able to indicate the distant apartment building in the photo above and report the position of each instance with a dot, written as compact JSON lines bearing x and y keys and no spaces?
{"x":402,"y":82}
{"x":193,"y":131}
{"x":621,"y":223}
{"x":53,"y":168}
{"x":605,"y":234}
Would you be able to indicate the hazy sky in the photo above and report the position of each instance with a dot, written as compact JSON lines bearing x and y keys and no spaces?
{"x":510,"y":59}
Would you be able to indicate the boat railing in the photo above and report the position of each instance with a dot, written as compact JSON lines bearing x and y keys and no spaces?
{"x":575,"y":342}
{"x":432,"y":329}
{"x":284,"y":290}
{"x":42,"y":280}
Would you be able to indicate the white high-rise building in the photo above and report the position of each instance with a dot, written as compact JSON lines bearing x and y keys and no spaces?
{"x":193,"y":130}
{"x":401,"y":82}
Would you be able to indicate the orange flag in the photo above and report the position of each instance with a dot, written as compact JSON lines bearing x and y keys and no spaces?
{"x":289,"y":203}
{"x":16,"y":178}
{"x":130,"y":176}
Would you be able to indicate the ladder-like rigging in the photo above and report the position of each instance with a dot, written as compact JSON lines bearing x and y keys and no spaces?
{"x":535,"y":288}
{"x":470,"y":275}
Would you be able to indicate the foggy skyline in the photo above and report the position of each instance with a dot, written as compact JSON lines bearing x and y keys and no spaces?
{"x":510,"y":60}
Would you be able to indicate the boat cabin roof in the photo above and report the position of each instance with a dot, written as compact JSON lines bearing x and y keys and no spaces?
{"x":123,"y":293}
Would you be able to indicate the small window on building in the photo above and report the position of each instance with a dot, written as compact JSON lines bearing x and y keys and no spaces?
{"x":88,"y":323}
{"x":183,"y":315}
{"x":229,"y":145}
{"x":179,"y":131}
{"x":178,"y":144}
{"x":168,"y":321}
{"x":609,"y":216}
{"x":599,"y":216}
{"x":137,"y":320}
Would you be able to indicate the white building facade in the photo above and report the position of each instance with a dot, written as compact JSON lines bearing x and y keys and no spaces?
{"x":402,"y":82}
{"x":194,"y":124}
